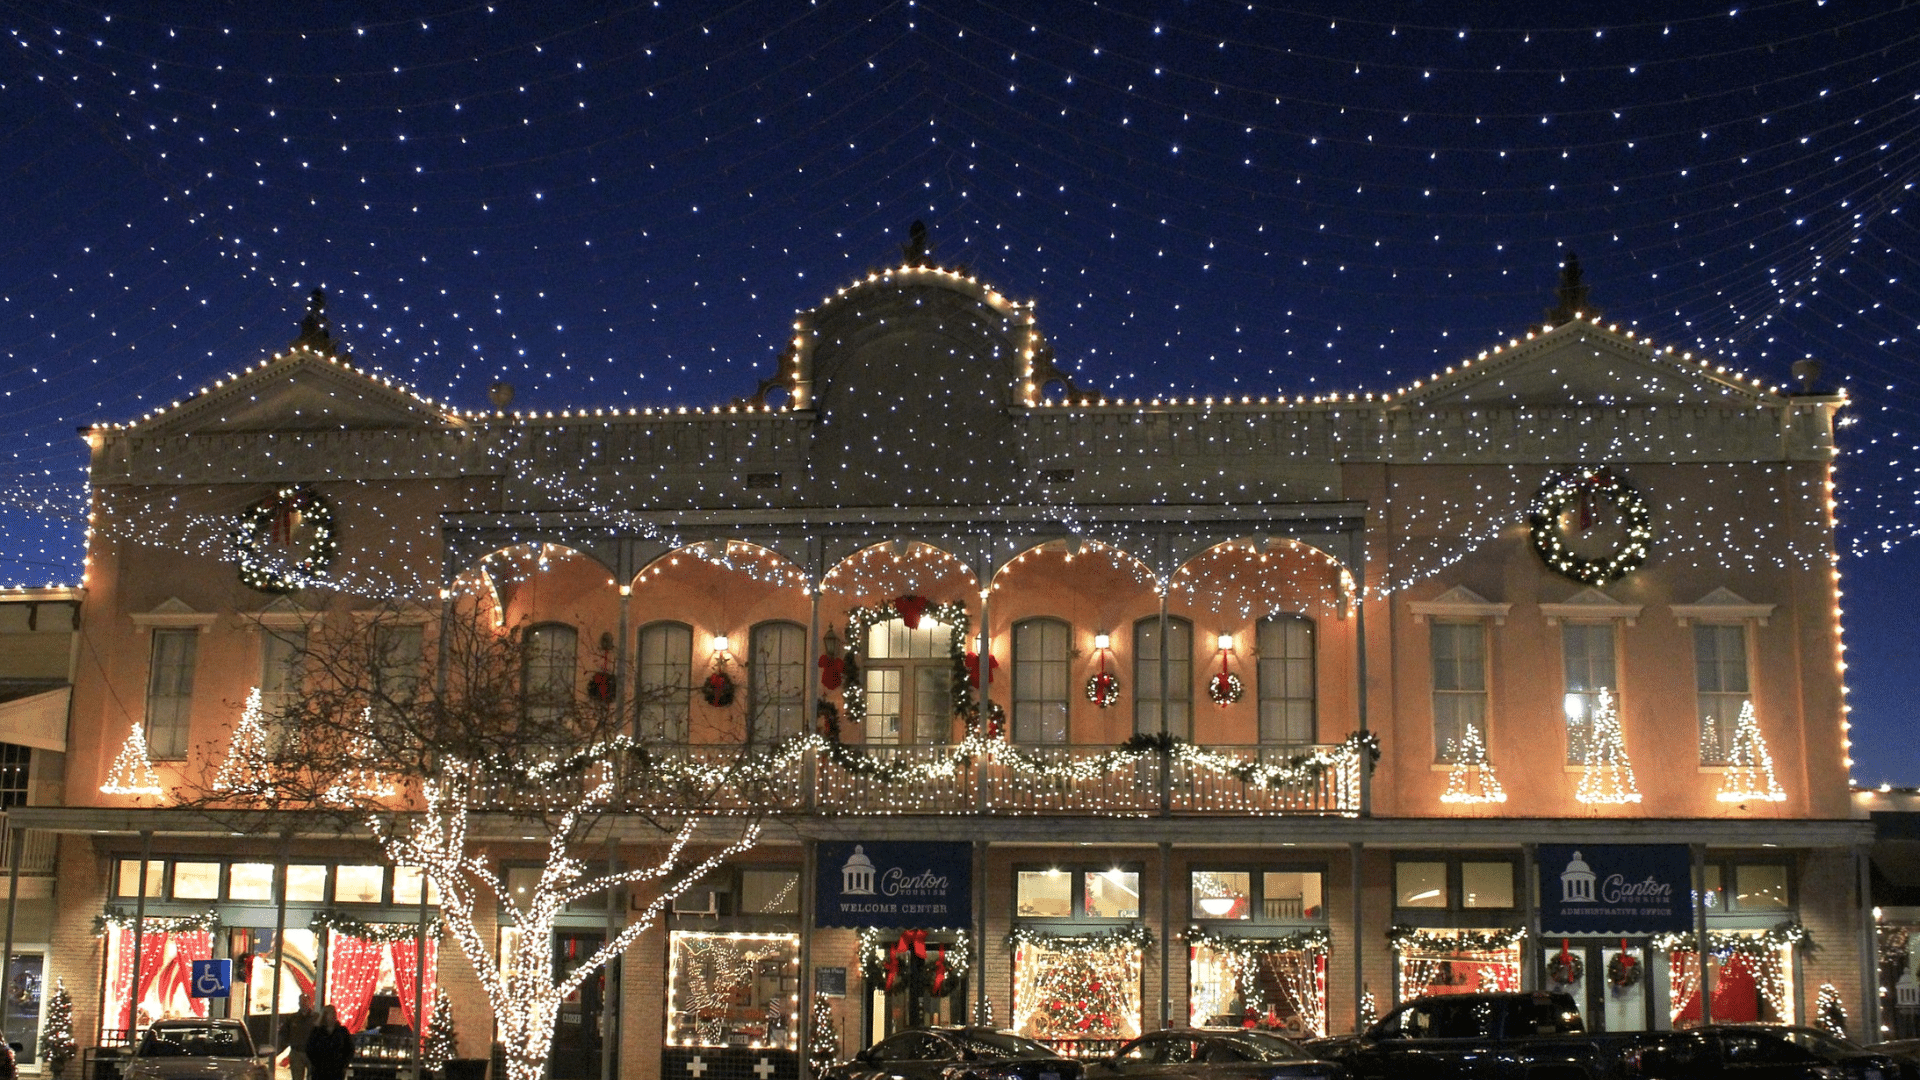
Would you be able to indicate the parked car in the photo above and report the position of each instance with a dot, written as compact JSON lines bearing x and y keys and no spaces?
{"x":1758,"y":1052}
{"x":1204,"y":1053}
{"x":1527,"y":1035}
{"x":200,"y":1049}
{"x":955,"y":1053}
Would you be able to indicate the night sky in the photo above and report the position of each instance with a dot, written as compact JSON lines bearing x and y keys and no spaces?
{"x":624,"y":205}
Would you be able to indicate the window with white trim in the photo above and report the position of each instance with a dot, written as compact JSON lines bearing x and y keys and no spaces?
{"x":1587,"y":655}
{"x":1459,"y":653}
{"x":1040,"y":680}
{"x":1720,"y":677}
{"x":1285,"y":680}
{"x":551,"y":659}
{"x":170,"y":691}
{"x":1146,"y":676}
{"x":282,"y":656}
{"x":776,"y":681}
{"x":908,"y":675}
{"x":666,"y":681}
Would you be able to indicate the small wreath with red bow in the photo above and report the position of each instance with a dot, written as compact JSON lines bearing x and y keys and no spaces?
{"x":1623,"y":971}
{"x":272,"y":523}
{"x":1224,"y":688}
{"x":1565,"y":969}
{"x":718,"y":690}
{"x":1103,"y":689}
{"x":600,"y":686}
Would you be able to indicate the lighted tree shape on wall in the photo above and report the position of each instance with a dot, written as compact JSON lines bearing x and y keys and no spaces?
{"x":132,"y":771}
{"x":1471,"y":780}
{"x":1749,"y":774}
{"x":246,"y":769}
{"x":1609,"y":777}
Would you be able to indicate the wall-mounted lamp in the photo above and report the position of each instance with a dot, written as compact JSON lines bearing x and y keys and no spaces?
{"x":1102,"y":642}
{"x":720,"y":643}
{"x":1226,"y":642}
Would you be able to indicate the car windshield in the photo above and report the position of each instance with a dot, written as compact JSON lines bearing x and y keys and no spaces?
{"x":1259,"y":1046}
{"x":211,"y":1040}
{"x":1819,"y":1042}
{"x":998,"y":1046}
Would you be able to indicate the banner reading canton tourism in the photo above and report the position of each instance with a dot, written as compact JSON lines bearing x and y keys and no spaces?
{"x":903,"y":885}
{"x":1615,"y":888}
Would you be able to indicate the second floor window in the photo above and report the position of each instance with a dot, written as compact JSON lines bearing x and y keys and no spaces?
{"x":1286,"y":679}
{"x":1459,"y":684}
{"x":909,"y":683}
{"x":1146,"y":676}
{"x":1588,"y":654}
{"x":666,"y":680}
{"x":282,"y":654}
{"x":1720,"y":675}
{"x":170,"y":691}
{"x":776,"y":681}
{"x":398,"y":653}
{"x":1040,"y":681}
{"x":551,"y":659}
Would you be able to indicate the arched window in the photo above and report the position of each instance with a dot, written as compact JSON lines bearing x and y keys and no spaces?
{"x":1040,"y":680}
{"x":1146,"y":676}
{"x":548,"y":670}
{"x":776,"y":681}
{"x":664,"y":687}
{"x":1286,"y":679}
{"x":908,"y":676}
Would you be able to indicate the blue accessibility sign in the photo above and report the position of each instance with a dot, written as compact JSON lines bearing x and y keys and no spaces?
{"x":211,"y":979}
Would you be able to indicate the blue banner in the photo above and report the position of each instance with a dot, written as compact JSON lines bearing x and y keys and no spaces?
{"x":1615,"y":888}
{"x":905,"y":886}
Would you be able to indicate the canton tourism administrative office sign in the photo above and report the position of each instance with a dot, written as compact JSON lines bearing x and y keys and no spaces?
{"x":899,"y":885}
{"x":1615,"y":888}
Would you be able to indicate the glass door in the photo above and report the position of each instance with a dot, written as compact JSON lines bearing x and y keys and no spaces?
{"x":578,"y":1033}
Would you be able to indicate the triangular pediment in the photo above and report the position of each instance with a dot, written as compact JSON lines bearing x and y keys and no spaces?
{"x":300,"y":390}
{"x":1584,"y":364}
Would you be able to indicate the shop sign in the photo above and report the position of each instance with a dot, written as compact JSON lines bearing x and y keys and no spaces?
{"x":1615,"y":888}
{"x":902,"y":885}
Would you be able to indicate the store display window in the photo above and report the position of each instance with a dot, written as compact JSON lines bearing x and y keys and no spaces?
{"x":1080,"y":995}
{"x":733,"y":989}
{"x":1456,"y":962}
{"x":1277,"y":985}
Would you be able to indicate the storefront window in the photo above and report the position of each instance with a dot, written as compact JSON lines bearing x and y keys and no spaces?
{"x":1291,"y":894}
{"x":250,"y":881}
{"x":299,"y":956}
{"x":1457,"y":962}
{"x":358,"y":884}
{"x":1044,"y":894}
{"x":306,"y":883}
{"x":1078,"y":994}
{"x":166,"y":959}
{"x":130,"y":873}
{"x":733,"y":989}
{"x":406,"y":886}
{"x":26,"y":990}
{"x":769,"y":892}
{"x":1751,"y":981}
{"x":1233,"y":984}
{"x":196,"y":881}
{"x":1420,"y":884}
{"x":1486,"y":884}
{"x":1760,"y":887}
{"x":1113,"y":894}
{"x":1222,"y":895}
{"x":370,"y":981}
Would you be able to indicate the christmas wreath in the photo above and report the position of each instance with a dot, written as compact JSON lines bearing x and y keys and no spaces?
{"x":1224,"y":689}
{"x":272,"y":523}
{"x":1103,"y":689}
{"x":1623,"y":971}
{"x":600,"y":686}
{"x":1589,"y":488}
{"x":718,"y":690}
{"x":1565,"y":968}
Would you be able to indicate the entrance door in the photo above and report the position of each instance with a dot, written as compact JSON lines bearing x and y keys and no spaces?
{"x":1609,"y":981}
{"x":578,"y":1034}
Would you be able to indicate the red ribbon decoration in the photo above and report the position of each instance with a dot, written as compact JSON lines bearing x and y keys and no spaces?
{"x":284,"y":513}
{"x":831,"y":670}
{"x":939,"y":968}
{"x":973,"y":668}
{"x":910,"y":609}
{"x":910,"y":940}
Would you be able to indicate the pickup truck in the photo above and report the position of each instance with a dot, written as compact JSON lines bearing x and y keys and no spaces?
{"x":1502,"y":1036}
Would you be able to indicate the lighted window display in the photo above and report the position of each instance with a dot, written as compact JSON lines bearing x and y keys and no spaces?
{"x":1486,"y":884}
{"x":1420,"y":884}
{"x":1749,"y":973}
{"x":1045,"y":894}
{"x":1113,"y":894}
{"x":1760,"y":887}
{"x":250,"y":881}
{"x":1291,"y":894}
{"x":358,"y":884}
{"x":1275,"y":985}
{"x":130,"y":873}
{"x":733,"y":989}
{"x":25,"y":1005}
{"x":1222,"y":895}
{"x":306,"y":883}
{"x":196,"y":881}
{"x":1077,"y":989}
{"x":406,"y":886}
{"x":1456,"y":962}
{"x":299,"y":972}
{"x":379,"y":966}
{"x":166,"y":961}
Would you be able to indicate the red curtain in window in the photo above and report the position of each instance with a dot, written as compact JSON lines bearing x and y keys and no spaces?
{"x":152,"y":946}
{"x":165,"y":972}
{"x":403,"y":973}
{"x":352,"y":966}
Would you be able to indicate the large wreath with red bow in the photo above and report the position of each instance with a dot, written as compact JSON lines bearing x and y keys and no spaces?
{"x":912,"y":961}
{"x":285,"y":541}
{"x":1590,"y":489}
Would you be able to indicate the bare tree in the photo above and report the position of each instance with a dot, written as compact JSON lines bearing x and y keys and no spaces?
{"x":441,"y":734}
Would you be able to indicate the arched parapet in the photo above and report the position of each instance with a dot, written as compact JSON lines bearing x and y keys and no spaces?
{"x":874,"y":573}
{"x":756,"y":561}
{"x":1254,"y":578}
{"x":1073,"y":547}
{"x":533,"y":581}
{"x":467,"y":547}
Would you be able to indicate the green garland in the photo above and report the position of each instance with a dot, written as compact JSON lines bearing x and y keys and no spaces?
{"x":382,"y":933}
{"x":1250,"y":948}
{"x":862,"y":619}
{"x":1137,"y":937}
{"x":115,"y":919}
{"x":1403,"y":938}
{"x":1724,"y":943}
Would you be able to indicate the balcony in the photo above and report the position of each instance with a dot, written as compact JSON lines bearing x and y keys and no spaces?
{"x":994,"y":778}
{"x":38,"y":850}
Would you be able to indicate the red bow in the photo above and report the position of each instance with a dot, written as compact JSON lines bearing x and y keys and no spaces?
{"x":939,"y":968}
{"x":910,"y":940}
{"x":973,"y":668}
{"x":910,"y":609}
{"x":831,"y":669}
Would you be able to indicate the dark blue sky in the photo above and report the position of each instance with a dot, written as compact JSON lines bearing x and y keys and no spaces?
{"x":624,"y":205}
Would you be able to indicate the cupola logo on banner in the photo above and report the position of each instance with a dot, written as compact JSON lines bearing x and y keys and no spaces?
{"x":924,"y":886}
{"x":1615,"y":888}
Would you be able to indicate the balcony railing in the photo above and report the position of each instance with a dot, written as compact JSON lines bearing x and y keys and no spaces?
{"x":991,"y":777}
{"x":38,"y":849}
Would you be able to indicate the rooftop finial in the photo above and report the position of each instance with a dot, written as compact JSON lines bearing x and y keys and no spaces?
{"x":1571,"y":296}
{"x":315,"y":331}
{"x":916,"y":250}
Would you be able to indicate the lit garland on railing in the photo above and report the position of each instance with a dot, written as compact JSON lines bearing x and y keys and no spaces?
{"x":115,"y":919}
{"x":381,"y":933}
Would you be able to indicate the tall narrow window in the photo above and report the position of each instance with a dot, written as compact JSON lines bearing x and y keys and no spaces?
{"x":1146,"y":676}
{"x":776,"y":681}
{"x":282,"y":655}
{"x":1459,"y":684}
{"x":909,"y":683}
{"x":1286,"y":679}
{"x":1588,"y":652}
{"x":170,"y":691}
{"x":1040,"y":681}
{"x":397,"y":658}
{"x":551,"y":660}
{"x":1720,"y":674}
{"x":666,"y":680}
{"x":16,"y":764}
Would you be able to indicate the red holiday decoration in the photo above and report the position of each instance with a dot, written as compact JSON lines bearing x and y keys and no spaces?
{"x":910,"y":609}
{"x":718,"y":690}
{"x":600,"y":686}
{"x":832,"y":668}
{"x":973,"y":668}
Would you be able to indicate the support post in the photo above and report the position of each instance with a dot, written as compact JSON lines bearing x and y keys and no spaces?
{"x":1529,"y":872}
{"x":1358,"y":913}
{"x":803,"y":1019}
{"x":417,"y":1044}
{"x":16,"y":839}
{"x":622,"y":689}
{"x":279,"y":939}
{"x":1166,"y":930}
{"x":1700,"y":930}
{"x":1869,"y":950}
{"x":139,"y":930}
{"x":809,"y":716}
{"x":1360,"y":700}
{"x":1166,"y":672}
{"x":609,"y":1001}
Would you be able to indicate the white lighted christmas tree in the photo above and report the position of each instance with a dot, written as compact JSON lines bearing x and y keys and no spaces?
{"x":1609,"y":777}
{"x":1749,"y":776}
{"x":246,"y":770}
{"x":132,"y":771}
{"x":823,"y":1043}
{"x":57,"y":1044}
{"x":1471,"y":779}
{"x":441,"y":1044}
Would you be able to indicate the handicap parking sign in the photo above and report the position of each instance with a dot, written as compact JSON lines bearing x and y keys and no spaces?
{"x":211,"y":978}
